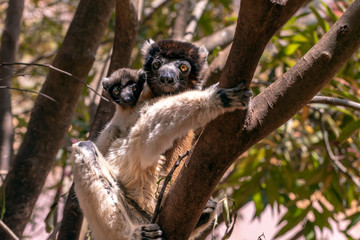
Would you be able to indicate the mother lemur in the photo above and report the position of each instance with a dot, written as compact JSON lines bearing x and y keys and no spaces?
{"x":117,"y":192}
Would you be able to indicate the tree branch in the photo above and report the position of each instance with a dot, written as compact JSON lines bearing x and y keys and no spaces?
{"x":8,"y":49}
{"x":181,"y":20}
{"x":124,"y":40}
{"x":8,"y":230}
{"x":155,"y":5}
{"x":335,"y":160}
{"x":216,"y":67}
{"x":257,"y":22}
{"x":221,"y":38}
{"x":50,"y":122}
{"x":336,"y":102}
{"x":195,"y":17}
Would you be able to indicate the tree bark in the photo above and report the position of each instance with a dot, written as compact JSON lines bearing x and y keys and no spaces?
{"x":8,"y":49}
{"x":50,"y":121}
{"x":258,"y":21}
{"x":269,"y":110}
{"x":124,"y":40}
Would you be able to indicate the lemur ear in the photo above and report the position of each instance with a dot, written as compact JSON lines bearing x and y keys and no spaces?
{"x":203,"y":53}
{"x":146,"y":47}
{"x":142,"y":76}
{"x":106,"y":84}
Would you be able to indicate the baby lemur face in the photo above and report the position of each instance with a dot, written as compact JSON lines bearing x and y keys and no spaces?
{"x":124,"y":86}
{"x":173,"y":66}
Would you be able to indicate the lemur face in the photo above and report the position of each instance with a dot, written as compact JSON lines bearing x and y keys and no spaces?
{"x":173,"y":66}
{"x":124,"y":86}
{"x":169,"y":76}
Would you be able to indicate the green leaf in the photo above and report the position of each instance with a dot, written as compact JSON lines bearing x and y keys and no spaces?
{"x":291,"y":48}
{"x":349,"y":130}
{"x":354,"y":219}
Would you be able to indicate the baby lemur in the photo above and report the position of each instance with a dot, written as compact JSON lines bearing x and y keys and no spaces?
{"x":124,"y":86}
{"x":116,"y":194}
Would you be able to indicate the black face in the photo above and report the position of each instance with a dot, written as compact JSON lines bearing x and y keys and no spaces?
{"x":126,"y":96}
{"x":124,"y":88}
{"x":168,"y":77}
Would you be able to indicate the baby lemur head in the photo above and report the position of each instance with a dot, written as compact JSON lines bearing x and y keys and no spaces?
{"x":173,"y":66}
{"x":124,"y":86}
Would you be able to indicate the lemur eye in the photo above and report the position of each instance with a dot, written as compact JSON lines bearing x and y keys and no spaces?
{"x":116,"y":92}
{"x":134,"y":88}
{"x":183,"y":67}
{"x":156,"y":65}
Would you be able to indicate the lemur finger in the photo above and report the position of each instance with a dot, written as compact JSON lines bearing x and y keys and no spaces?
{"x":151,"y":231}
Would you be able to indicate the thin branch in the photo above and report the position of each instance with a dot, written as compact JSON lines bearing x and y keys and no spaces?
{"x":181,"y":19}
{"x":195,"y":17}
{"x":220,"y":38}
{"x":56,"y":69}
{"x":166,"y":182}
{"x":15,"y":75}
{"x":148,"y":12}
{"x":25,"y":90}
{"x":8,"y":230}
{"x":336,"y":102}
{"x":335,"y":160}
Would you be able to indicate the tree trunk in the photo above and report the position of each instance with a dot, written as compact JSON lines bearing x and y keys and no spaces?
{"x":257,"y":22}
{"x":8,"y":49}
{"x":49,"y":121}
{"x":125,"y":36}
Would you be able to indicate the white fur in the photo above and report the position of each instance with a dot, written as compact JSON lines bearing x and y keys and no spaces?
{"x":132,"y":162}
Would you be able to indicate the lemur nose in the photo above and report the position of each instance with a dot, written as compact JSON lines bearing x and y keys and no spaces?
{"x":167,"y":79}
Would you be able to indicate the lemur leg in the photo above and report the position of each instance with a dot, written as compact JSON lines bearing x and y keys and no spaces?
{"x":103,"y":202}
{"x":170,"y":118}
{"x":206,"y":219}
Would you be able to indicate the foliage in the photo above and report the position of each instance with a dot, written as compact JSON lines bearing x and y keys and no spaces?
{"x":292,"y":167}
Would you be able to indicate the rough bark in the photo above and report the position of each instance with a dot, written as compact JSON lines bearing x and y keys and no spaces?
{"x":124,"y":40}
{"x":8,"y":49}
{"x":50,"y":121}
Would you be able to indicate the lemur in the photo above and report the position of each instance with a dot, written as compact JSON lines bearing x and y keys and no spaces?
{"x":124,"y":86}
{"x":116,"y":194}
{"x":171,"y":67}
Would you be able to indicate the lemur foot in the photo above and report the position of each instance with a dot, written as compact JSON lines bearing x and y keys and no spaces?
{"x":238,"y":97}
{"x":208,"y":213}
{"x":149,"y":232}
{"x":85,"y":148}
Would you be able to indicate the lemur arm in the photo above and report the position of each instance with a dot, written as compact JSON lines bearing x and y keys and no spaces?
{"x":110,"y":214}
{"x":171,"y":117}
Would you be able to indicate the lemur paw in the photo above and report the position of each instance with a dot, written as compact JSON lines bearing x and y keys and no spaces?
{"x":208,"y":213}
{"x":238,"y":97}
{"x":148,"y":232}
{"x":85,"y":153}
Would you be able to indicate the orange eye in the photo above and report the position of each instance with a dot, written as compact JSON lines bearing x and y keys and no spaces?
{"x":134,"y":88}
{"x":116,"y":92}
{"x":156,"y":65}
{"x":183,"y":68}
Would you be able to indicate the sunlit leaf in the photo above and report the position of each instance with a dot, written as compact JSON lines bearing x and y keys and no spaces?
{"x":349,"y":130}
